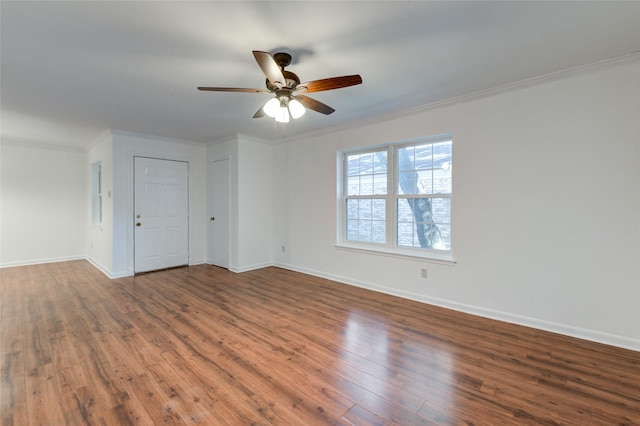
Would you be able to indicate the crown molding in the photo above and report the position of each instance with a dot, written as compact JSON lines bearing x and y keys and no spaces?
{"x":494,"y":91}
{"x":40,"y":145}
{"x":156,"y":138}
{"x":98,"y":139}
{"x":221,"y":141}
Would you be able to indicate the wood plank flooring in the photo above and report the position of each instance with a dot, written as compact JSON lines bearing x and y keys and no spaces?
{"x":201,"y":345}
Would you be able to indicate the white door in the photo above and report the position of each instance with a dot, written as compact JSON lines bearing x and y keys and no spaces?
{"x":219,"y":213}
{"x":161,"y":214}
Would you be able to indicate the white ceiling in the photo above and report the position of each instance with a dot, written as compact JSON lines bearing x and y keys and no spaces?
{"x":70,"y":70}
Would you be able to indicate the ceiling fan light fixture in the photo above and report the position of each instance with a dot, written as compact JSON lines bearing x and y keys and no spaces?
{"x":296,"y":109}
{"x":282,"y":116}
{"x":271,"y":107}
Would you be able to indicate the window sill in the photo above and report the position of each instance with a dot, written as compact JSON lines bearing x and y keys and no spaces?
{"x":431,"y":257}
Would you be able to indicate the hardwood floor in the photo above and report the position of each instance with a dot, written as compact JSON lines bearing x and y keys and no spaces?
{"x":203,"y":345}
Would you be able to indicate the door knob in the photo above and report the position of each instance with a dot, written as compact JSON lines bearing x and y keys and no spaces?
{"x":138,"y":224}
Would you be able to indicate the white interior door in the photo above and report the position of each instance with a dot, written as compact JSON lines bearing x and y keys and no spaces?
{"x":219,"y":213}
{"x":161,"y":214}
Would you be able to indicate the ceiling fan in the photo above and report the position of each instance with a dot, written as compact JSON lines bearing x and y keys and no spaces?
{"x":289,"y":97}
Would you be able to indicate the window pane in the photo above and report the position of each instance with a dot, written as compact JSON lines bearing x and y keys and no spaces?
{"x":367,"y":173}
{"x":99,"y":167}
{"x":378,"y":210}
{"x":425,"y":182}
{"x":380,"y":162}
{"x":424,"y":169}
{"x":364,"y":230}
{"x":442,"y":155}
{"x":379,"y":231}
{"x":380,"y":184}
{"x":352,"y":229}
{"x":426,"y":232}
{"x":405,"y":213}
{"x":364,"y":209}
{"x":352,"y":209}
{"x":96,"y":193}
{"x":445,"y":230}
{"x":366,"y":220}
{"x":366,"y":185}
{"x":441,"y":181}
{"x":423,"y":157}
{"x":441,"y":210}
{"x":353,"y":165}
{"x":406,"y":234}
{"x":408,"y":183}
{"x":405,"y":158}
{"x":353,"y":185}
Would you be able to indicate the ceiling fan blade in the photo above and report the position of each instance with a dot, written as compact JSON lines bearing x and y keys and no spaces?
{"x":330,"y":83}
{"x":259,"y":113}
{"x":314,"y":105}
{"x":270,"y":68}
{"x":233,"y":89}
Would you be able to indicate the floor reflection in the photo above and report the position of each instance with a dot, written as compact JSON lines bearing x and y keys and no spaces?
{"x":382,"y":358}
{"x":365,"y":333}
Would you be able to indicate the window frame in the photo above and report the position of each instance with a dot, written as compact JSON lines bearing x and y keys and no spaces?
{"x":390,"y":247}
{"x":96,"y":194}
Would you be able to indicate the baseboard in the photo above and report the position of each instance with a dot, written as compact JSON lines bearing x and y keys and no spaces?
{"x":130,"y":272}
{"x":100,"y":267}
{"x":567,"y":330}
{"x":122,"y":274}
{"x":240,"y":269}
{"x":40,"y":261}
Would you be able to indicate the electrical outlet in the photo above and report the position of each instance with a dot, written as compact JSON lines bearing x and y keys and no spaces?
{"x":423,"y":273}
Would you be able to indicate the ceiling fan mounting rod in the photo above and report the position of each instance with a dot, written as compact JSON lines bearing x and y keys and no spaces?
{"x":282,"y":59}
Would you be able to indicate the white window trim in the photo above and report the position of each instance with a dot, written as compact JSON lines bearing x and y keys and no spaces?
{"x":388,"y":249}
{"x":425,"y":255}
{"x":97,"y":199}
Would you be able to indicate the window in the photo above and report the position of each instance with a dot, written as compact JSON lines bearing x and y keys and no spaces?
{"x":96,"y":193}
{"x":397,"y":198}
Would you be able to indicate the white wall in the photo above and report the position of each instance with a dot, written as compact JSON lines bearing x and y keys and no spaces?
{"x":126,"y":147}
{"x":251,"y":200}
{"x":43,"y":193}
{"x":255,"y":203}
{"x":546,"y":206}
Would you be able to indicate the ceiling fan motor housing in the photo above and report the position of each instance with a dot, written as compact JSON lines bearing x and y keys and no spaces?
{"x":282,"y":59}
{"x":291,"y":81}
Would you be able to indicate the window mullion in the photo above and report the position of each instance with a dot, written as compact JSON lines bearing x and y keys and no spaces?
{"x":391,"y":190}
